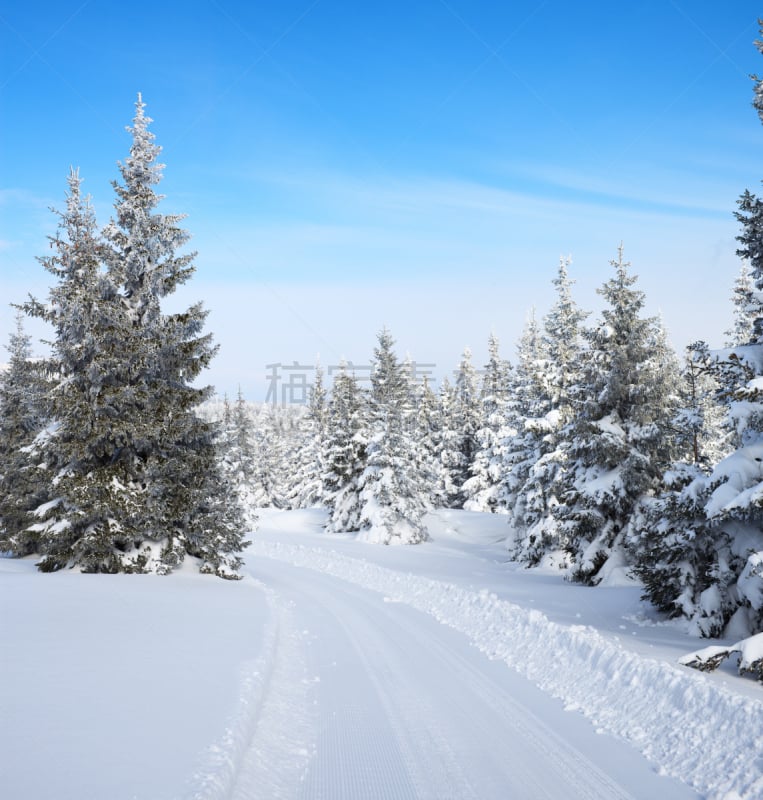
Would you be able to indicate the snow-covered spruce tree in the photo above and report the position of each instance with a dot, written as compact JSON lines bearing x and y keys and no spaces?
{"x":250,"y":494}
{"x":171,"y":450}
{"x":83,"y":309}
{"x":701,"y":423}
{"x":428,"y":434}
{"x":619,"y":437}
{"x":736,"y":365}
{"x":22,"y":416}
{"x":344,"y":453}
{"x":461,"y":421}
{"x":138,"y":484}
{"x":307,"y":480}
{"x":275,"y":430}
{"x":745,"y":308}
{"x":675,"y":553}
{"x":449,"y":454}
{"x":559,"y":369}
{"x":391,"y":489}
{"x":671,"y":544}
{"x":236,"y":456}
{"x":527,"y":402}
{"x":486,"y":488}
{"x":727,"y":595}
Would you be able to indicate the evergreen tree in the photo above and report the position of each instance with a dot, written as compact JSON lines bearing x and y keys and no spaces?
{"x":307,"y":482}
{"x":244,"y":438}
{"x":344,"y":453}
{"x":137,"y":478}
{"x":722,"y":517}
{"x":685,"y":565}
{"x":461,"y":422}
{"x":485,"y":489}
{"x":702,"y":419}
{"x":22,"y":416}
{"x":450,"y":467}
{"x":619,"y":437}
{"x":528,"y":402}
{"x":734,"y":367}
{"x":273,"y":434}
{"x":745,"y":307}
{"x":390,"y":486}
{"x":428,"y":435}
{"x":237,"y":458}
{"x":557,"y":379}
{"x":83,"y":310}
{"x":708,"y":565}
{"x":674,"y":549}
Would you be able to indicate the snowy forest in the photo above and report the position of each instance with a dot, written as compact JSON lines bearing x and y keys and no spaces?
{"x":607,"y":452}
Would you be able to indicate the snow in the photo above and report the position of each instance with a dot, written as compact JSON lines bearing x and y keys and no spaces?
{"x":340,"y":669}
{"x":750,"y":355}
{"x":117,"y":686}
{"x":751,"y":650}
{"x":742,"y":473}
{"x":750,"y":583}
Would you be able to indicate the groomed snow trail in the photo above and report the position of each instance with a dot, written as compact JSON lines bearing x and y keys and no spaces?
{"x":405,"y":708}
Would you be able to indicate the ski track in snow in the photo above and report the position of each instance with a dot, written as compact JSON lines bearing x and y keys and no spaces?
{"x":688,"y":727}
{"x":270,"y":738}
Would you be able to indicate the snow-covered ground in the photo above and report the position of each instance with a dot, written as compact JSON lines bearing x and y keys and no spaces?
{"x":339,"y":669}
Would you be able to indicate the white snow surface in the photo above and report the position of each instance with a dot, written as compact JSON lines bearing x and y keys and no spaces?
{"x":342,"y":669}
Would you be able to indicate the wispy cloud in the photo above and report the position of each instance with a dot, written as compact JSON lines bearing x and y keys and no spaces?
{"x":342,"y":226}
{"x":515,"y":187}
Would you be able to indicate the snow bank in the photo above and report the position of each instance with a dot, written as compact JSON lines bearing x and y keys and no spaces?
{"x":691,"y":728}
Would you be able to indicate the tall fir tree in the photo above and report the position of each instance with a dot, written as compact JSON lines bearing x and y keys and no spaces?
{"x":722,"y":593}
{"x":88,"y":500}
{"x":137,"y":479}
{"x":428,"y":435}
{"x":391,"y":491}
{"x":557,"y":378}
{"x":619,"y":436}
{"x":307,"y":480}
{"x":344,"y":455}
{"x":237,"y":458}
{"x":702,"y":422}
{"x":450,"y":454}
{"x":272,"y":434}
{"x":166,"y":354}
{"x":22,"y":417}
{"x":745,"y":307}
{"x":673,"y":548}
{"x":527,"y":402}
{"x":486,"y":488}
{"x":461,"y":421}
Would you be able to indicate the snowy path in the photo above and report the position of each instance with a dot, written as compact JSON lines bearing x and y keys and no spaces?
{"x":406,"y":708}
{"x":338,"y":669}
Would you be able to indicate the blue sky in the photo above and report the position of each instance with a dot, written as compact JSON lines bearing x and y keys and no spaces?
{"x":421,"y":165}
